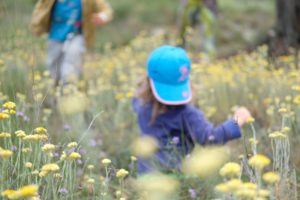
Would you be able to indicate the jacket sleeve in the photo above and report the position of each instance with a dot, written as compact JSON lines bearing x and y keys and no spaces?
{"x":40,"y":20}
{"x":102,"y":6}
{"x":203,"y":132}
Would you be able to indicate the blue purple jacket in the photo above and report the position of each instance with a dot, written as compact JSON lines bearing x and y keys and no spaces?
{"x":177,"y":130}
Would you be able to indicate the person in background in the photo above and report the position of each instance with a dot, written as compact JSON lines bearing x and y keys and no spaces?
{"x":162,"y":104}
{"x":70,"y":25}
{"x":199,"y":14}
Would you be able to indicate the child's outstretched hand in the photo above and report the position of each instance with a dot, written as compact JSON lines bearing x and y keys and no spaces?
{"x":99,"y":19}
{"x":241,"y":116}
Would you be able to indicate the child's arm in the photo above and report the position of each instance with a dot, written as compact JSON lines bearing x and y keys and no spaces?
{"x":204,"y":132}
{"x":104,"y":13}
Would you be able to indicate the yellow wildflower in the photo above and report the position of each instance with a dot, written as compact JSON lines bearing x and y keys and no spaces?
{"x":296,"y":87}
{"x":28,"y":165}
{"x":50,"y":167}
{"x":5,"y":193}
{"x":5,"y":135}
{"x":133,"y":158}
{"x":12,"y":112}
{"x":259,"y":161}
{"x":4,"y":115}
{"x":20,"y":133}
{"x":230,"y":169}
{"x":245,"y":193}
{"x":249,"y":185}
{"x":24,"y":192}
{"x":282,"y":110}
{"x":63,"y":156}
{"x":9,"y":105}
{"x":263,"y":193}
{"x":118,"y":193}
{"x":295,"y":101}
{"x":40,"y":130}
{"x":72,"y":145}
{"x":48,"y":147}
{"x":277,"y":134}
{"x":202,"y":162}
{"x":57,"y":175}
{"x":26,"y":150}
{"x":74,"y":156}
{"x":31,"y":138}
{"x":42,"y":137}
{"x":250,"y":120}
{"x":234,"y":184}
{"x":286,"y":129}
{"x":122,"y":173}
{"x":43,"y":173}
{"x":35,"y":172}
{"x":157,"y":185}
{"x":271,"y":177}
{"x":91,"y":181}
{"x":144,"y":147}
{"x":288,"y":98}
{"x":5,"y":154}
{"x":223,"y":188}
{"x":106,"y":161}
{"x":253,"y":141}
{"x":90,"y":167}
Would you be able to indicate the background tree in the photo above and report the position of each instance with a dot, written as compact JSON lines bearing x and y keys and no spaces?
{"x":287,"y":29}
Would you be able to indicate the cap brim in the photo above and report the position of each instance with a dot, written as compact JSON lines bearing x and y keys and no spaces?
{"x":171,"y":94}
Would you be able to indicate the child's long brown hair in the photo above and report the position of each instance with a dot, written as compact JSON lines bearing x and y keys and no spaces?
{"x":144,"y":92}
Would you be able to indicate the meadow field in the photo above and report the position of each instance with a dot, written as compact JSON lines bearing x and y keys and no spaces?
{"x":81,"y":141}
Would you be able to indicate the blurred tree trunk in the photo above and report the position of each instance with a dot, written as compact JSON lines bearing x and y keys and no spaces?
{"x":287,"y":29}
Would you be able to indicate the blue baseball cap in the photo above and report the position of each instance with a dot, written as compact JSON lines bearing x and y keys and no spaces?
{"x":168,"y":71}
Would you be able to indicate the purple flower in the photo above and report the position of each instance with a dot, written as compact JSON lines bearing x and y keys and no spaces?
{"x":79,"y":162}
{"x":56,"y":154}
{"x":14,"y":148}
{"x":193,"y":193}
{"x":63,"y":191}
{"x":93,"y":143}
{"x":82,"y":151}
{"x":19,"y":114}
{"x":67,"y":127}
{"x":175,"y":140}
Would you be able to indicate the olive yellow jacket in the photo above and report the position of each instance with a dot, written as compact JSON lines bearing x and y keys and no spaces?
{"x":41,"y":16}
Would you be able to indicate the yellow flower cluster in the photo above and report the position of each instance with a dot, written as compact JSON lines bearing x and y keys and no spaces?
{"x":48,"y":147}
{"x":230,"y":170}
{"x":259,"y":161}
{"x":22,"y":193}
{"x":106,"y":161}
{"x":74,"y":156}
{"x":144,"y":147}
{"x":72,"y":145}
{"x":5,"y":154}
{"x":122,"y":173}
{"x":48,"y":168}
{"x":5,"y":135}
{"x":271,"y":177}
{"x":8,"y":109}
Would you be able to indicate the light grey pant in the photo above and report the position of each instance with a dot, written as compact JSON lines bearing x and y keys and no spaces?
{"x":65,"y":59}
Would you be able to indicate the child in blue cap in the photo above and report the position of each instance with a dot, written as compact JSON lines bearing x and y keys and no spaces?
{"x":164,"y":113}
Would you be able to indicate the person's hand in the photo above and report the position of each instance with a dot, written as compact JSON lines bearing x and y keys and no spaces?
{"x":98,"y":19}
{"x":241,"y":116}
